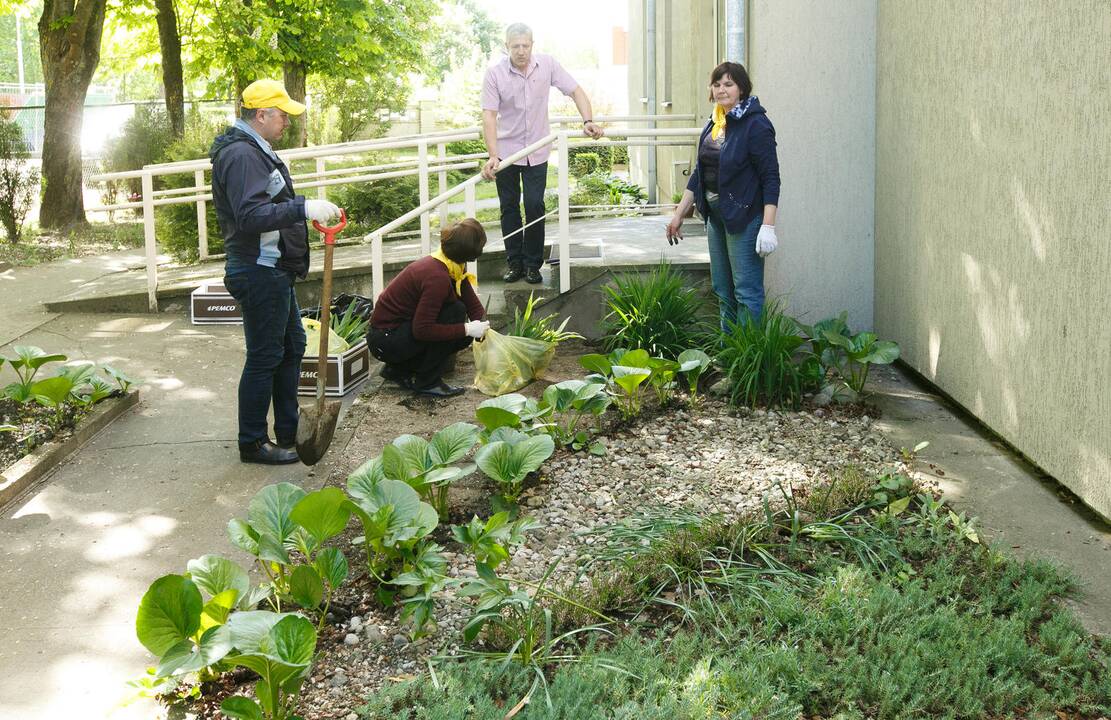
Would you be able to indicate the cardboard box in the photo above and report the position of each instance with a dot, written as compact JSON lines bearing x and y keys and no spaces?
{"x":344,"y":371}
{"x":210,"y":304}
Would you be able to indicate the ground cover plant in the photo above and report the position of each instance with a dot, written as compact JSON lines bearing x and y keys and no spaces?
{"x":832,"y":605}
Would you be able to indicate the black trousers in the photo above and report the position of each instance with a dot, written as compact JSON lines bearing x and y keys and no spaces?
{"x":420,"y":360}
{"x":525,"y":253}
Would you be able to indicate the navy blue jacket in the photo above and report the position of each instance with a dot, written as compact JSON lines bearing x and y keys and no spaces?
{"x":748,"y":178}
{"x":241,"y":175}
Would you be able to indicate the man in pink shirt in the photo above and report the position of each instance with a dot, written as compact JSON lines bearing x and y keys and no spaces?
{"x":514,"y":116}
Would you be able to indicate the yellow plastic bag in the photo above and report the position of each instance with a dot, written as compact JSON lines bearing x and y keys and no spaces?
{"x":504,"y":363}
{"x":336,"y":344}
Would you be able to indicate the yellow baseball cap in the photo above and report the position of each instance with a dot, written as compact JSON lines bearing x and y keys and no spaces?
{"x":270,"y":93}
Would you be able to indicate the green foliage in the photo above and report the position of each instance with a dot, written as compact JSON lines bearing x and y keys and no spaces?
{"x":428,"y":466}
{"x":603,"y":153}
{"x":19,"y":180}
{"x":176,"y":224}
{"x":360,"y":107}
{"x":374,"y":204}
{"x":492,"y":542}
{"x":143,"y":140}
{"x":620,"y":154}
{"x":766,"y":362}
{"x":465,"y":147}
{"x":565,"y":404}
{"x":847,"y":356}
{"x":584,"y":164}
{"x":601,"y":188}
{"x":279,"y":648}
{"x":539,"y":328}
{"x":349,"y":326}
{"x":625,"y":372}
{"x":692,"y":364}
{"x":661,"y":312}
{"x":510,"y":456}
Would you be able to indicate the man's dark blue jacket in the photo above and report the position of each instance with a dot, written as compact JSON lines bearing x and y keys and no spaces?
{"x":748,"y":178}
{"x":241,"y":174}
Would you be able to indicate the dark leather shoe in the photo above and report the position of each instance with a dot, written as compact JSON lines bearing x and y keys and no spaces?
{"x":266,"y":453}
{"x":286,"y":443}
{"x":513,"y":275}
{"x":533,"y":276}
{"x":441,"y":390}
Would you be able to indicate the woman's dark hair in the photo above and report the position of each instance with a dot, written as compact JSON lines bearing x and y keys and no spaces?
{"x":736,"y":73}
{"x":463,"y":241}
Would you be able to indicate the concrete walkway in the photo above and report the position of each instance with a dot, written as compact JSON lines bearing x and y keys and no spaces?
{"x":159,"y":486}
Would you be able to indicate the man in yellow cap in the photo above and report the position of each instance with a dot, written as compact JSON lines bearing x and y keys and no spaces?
{"x":266,"y":241}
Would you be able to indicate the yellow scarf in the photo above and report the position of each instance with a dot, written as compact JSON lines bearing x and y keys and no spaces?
{"x":719,"y":122}
{"x":457,"y":271}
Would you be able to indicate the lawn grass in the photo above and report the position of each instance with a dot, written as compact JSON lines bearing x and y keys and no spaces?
{"x":92,"y":239}
{"x":868,"y":613}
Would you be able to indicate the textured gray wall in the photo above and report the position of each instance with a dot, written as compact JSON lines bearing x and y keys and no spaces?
{"x":813,"y":67}
{"x":993,"y":218}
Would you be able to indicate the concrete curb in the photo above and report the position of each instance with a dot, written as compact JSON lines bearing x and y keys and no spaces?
{"x":28,"y":470}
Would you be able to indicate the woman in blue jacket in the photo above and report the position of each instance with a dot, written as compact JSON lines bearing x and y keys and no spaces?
{"x":735,"y":186}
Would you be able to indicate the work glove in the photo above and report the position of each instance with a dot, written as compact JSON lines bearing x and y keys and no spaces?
{"x":766,"y":241}
{"x":476,"y":328}
{"x":321,"y":211}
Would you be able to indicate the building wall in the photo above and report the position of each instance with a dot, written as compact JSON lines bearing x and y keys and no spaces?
{"x":813,"y":67}
{"x":993,"y":230}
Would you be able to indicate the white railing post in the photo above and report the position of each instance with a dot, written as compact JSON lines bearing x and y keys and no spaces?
{"x":441,"y":156}
{"x":425,"y":220}
{"x":470,"y":206}
{"x":202,"y":216}
{"x":377,"y":276}
{"x":148,"y":236}
{"x":564,"y":216}
{"x":321,"y":168}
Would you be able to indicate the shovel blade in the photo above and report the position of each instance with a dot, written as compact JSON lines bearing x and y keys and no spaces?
{"x":316,"y":425}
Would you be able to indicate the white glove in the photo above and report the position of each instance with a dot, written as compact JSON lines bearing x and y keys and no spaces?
{"x":766,"y":241}
{"x":320,"y":210}
{"x":476,"y":328}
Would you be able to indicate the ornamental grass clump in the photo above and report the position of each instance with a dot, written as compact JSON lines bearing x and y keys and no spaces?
{"x":662,"y":313}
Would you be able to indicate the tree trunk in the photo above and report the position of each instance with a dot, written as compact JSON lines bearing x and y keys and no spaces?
{"x":294,"y":77}
{"x":69,"y":44}
{"x":172,"y":81}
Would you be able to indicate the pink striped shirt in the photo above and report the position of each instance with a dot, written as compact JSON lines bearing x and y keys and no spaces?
{"x":521,"y":101}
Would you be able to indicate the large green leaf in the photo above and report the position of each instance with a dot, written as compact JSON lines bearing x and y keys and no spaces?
{"x":331,"y":565}
{"x":629,"y":378}
{"x":883,"y":352}
{"x":510,"y":463}
{"x":187,"y":657}
{"x":268,"y":512}
{"x":52,"y":391}
{"x":272,"y":550}
{"x":405,"y":458}
{"x":452,"y":443}
{"x":214,"y":574}
{"x":29,"y":356}
{"x":396,"y":494}
{"x":596,"y":363}
{"x":501,"y":411}
{"x":169,"y":613}
{"x":243,"y":536}
{"x":427,"y":520}
{"x":293,"y":640}
{"x":560,"y":396}
{"x":534,"y":451}
{"x":635,"y":358}
{"x":361,"y":482}
{"x":238,"y":707}
{"x":693,"y":358}
{"x":306,"y":587}
{"x":249,"y":628}
{"x":323,"y":513}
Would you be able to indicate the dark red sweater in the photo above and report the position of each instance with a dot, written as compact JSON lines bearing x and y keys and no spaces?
{"x":418,"y":294}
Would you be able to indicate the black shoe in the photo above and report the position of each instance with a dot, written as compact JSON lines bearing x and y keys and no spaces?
{"x":513,"y":275}
{"x":440,"y":389}
{"x":394,"y":375}
{"x":266,"y":453}
{"x":286,"y":443}
{"x":533,"y":276}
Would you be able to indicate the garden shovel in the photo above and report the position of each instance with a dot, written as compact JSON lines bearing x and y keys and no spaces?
{"x":316,"y":423}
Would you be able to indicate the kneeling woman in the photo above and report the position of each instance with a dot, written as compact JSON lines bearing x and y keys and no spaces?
{"x":429,"y":312}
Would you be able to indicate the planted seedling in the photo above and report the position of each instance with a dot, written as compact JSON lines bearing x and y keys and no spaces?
{"x":280,"y":648}
{"x":692,"y":364}
{"x":492,"y":541}
{"x":510,"y":457}
{"x":428,"y":466}
{"x":26,"y":363}
{"x":567,"y":404}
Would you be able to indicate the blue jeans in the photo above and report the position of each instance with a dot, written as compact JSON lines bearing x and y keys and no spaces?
{"x":736,"y":269}
{"x":275,"y":345}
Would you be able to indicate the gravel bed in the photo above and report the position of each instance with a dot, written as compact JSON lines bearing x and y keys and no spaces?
{"x":712,"y":460}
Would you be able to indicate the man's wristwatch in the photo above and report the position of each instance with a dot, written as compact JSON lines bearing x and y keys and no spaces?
{"x":585,"y":122}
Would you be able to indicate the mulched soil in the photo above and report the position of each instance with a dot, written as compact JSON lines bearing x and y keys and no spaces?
{"x":34,"y":427}
{"x":713,"y":459}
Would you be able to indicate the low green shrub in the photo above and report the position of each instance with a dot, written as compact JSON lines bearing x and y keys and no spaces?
{"x":373,"y":204}
{"x":143,"y":140}
{"x":602,"y":152}
{"x":176,"y":225}
{"x":19,"y":181}
{"x":661,"y":312}
{"x":619,"y":155}
{"x":466,"y":147}
{"x":584,"y":164}
{"x":767,"y":361}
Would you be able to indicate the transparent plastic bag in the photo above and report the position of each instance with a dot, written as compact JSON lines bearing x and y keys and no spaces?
{"x":504,"y":363}
{"x":336,"y":344}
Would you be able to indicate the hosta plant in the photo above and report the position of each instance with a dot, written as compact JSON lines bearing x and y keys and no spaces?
{"x":26,"y":363}
{"x":493,"y":540}
{"x":395,"y":528}
{"x":512,"y":410}
{"x":510,"y":456}
{"x":279,"y":648}
{"x":692,"y":364}
{"x":569,"y":403}
{"x":857,"y":354}
{"x":662,"y":379}
{"x":428,"y":465}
